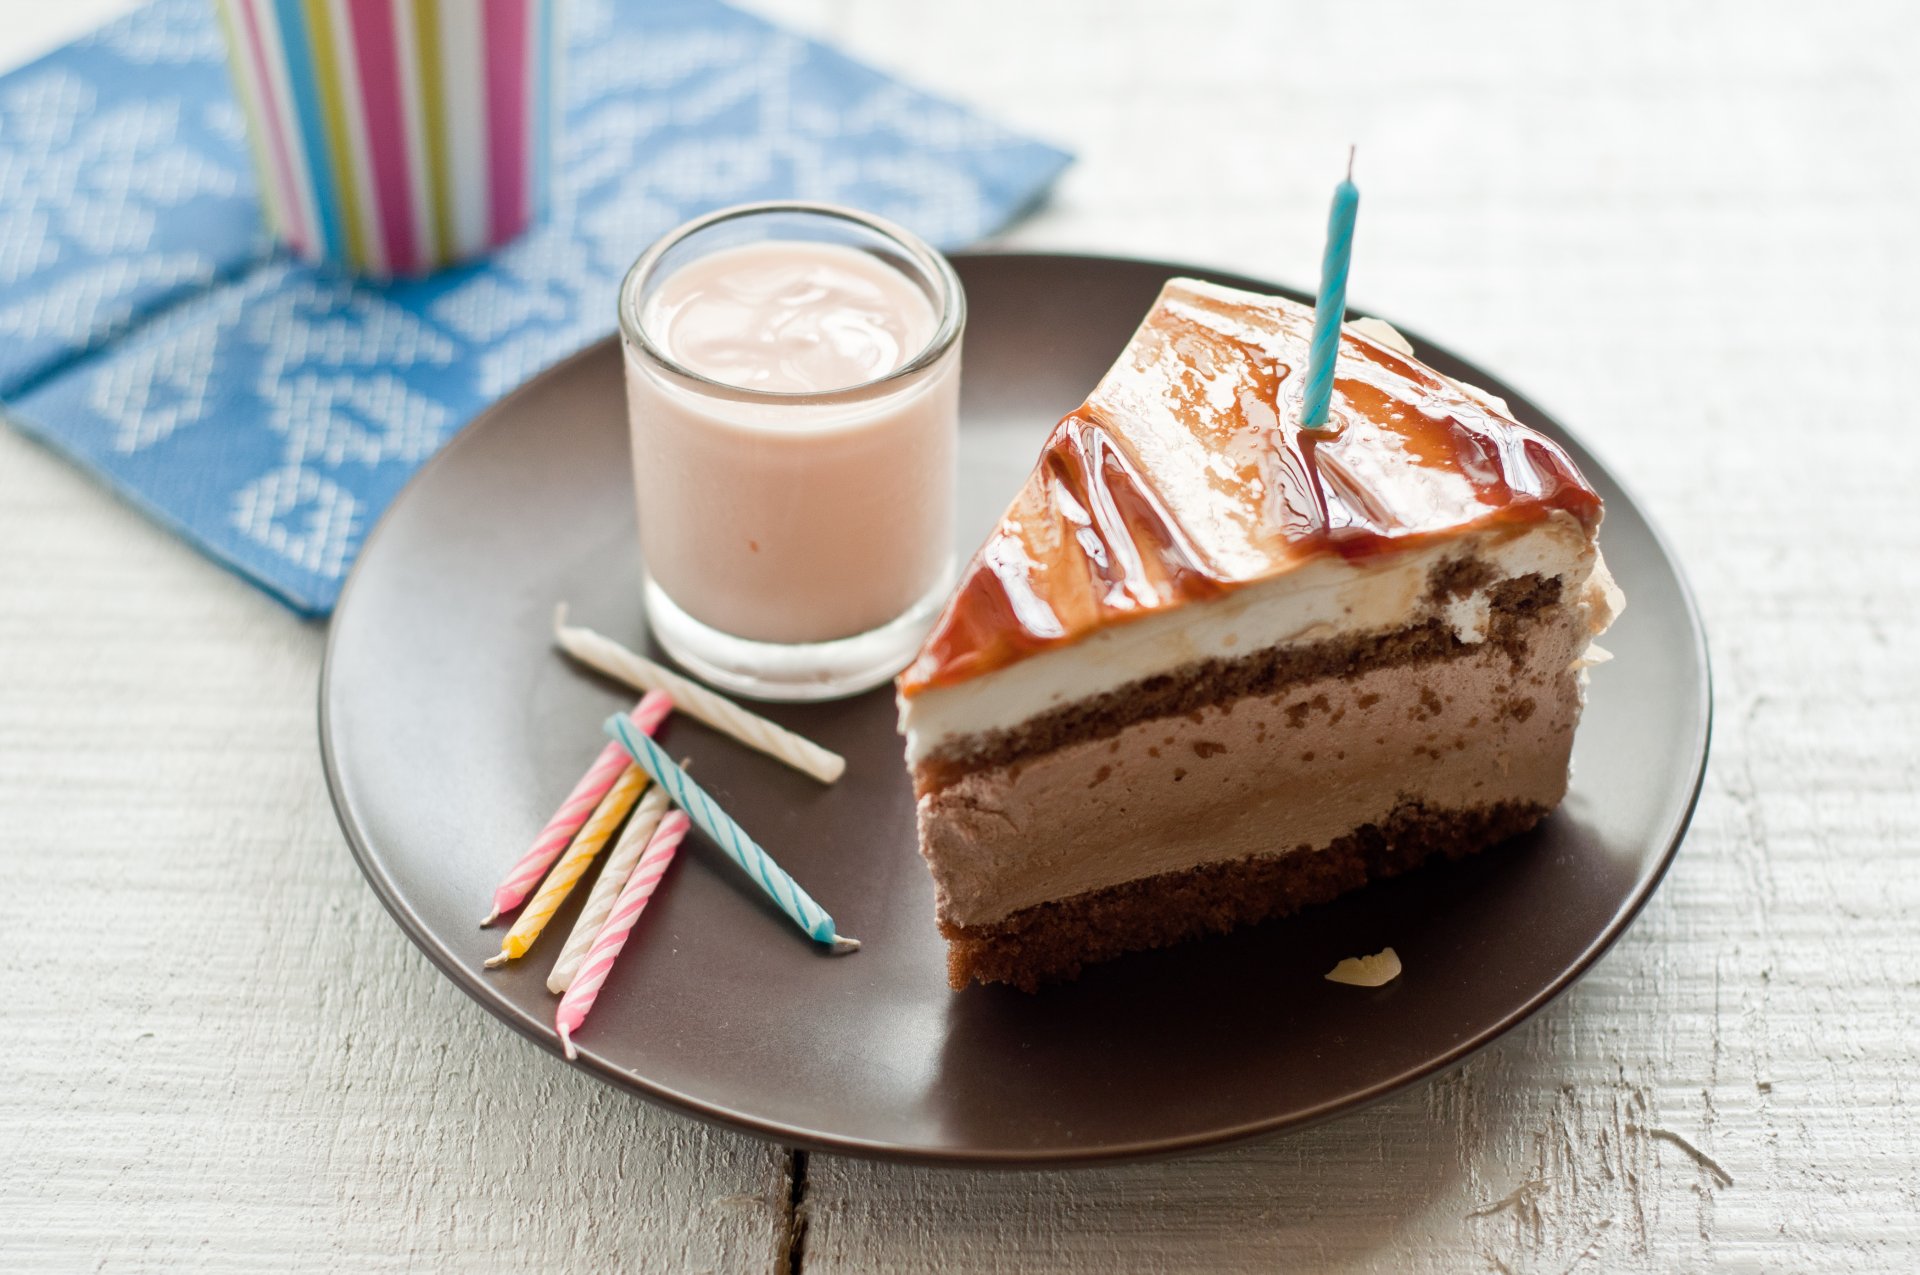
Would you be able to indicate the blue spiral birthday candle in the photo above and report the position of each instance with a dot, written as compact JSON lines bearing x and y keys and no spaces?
{"x":728,"y":835}
{"x":1332,"y":303}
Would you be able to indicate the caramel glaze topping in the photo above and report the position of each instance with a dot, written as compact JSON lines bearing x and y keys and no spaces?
{"x":1185,"y":476}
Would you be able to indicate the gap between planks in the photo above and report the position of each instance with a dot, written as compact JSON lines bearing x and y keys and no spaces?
{"x":794,"y":1244}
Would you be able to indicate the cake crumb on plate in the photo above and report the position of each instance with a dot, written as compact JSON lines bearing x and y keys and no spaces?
{"x":1367,"y":971}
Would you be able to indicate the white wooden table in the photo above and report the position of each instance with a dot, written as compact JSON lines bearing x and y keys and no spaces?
{"x":1688,"y":227}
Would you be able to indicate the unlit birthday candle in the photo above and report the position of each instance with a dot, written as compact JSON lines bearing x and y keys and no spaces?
{"x":616,"y":661}
{"x":1331,"y":304}
{"x":612,"y":935}
{"x":606,"y":888}
{"x":599,"y":829}
{"x":731,"y":838}
{"x":574,"y":811}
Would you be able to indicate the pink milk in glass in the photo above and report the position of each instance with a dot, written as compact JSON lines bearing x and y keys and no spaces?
{"x":793,"y":389}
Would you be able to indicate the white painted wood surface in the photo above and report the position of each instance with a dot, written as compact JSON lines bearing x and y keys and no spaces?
{"x":1688,"y":227}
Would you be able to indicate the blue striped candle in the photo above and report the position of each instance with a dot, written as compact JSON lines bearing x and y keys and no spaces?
{"x":728,"y":835}
{"x":1331,"y":304}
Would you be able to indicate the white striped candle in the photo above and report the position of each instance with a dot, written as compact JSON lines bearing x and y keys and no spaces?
{"x":606,"y":888}
{"x":393,"y":137}
{"x":690,"y":697}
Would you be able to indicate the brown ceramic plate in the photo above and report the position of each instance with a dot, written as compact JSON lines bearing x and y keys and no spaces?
{"x":451,"y":729}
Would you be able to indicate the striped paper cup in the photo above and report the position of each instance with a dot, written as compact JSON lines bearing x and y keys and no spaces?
{"x":393,"y":137}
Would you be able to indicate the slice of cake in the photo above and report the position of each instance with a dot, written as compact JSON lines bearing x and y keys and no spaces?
{"x":1210,"y":668}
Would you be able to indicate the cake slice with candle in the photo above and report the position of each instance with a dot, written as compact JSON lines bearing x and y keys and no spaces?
{"x":1212,"y":667}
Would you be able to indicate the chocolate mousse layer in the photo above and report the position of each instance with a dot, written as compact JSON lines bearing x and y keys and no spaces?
{"x":1054,"y":941}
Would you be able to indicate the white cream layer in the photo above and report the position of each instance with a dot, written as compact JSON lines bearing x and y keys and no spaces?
{"x":1328,"y":598}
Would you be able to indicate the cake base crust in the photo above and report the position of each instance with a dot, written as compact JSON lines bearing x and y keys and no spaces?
{"x":1054,"y":941}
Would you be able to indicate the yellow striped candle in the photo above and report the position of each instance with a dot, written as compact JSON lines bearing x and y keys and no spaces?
{"x":393,"y":137}
{"x":599,"y":829}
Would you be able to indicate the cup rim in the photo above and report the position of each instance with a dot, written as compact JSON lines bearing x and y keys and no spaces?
{"x":952,"y":318}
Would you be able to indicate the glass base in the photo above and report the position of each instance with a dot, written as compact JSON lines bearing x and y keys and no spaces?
{"x":792,"y":671}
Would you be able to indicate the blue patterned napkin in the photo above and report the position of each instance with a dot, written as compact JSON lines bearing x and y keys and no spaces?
{"x":269,"y":411}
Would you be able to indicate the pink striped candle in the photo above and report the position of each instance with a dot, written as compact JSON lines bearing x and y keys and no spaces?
{"x":393,"y":137}
{"x":585,"y":988}
{"x":574,"y":812}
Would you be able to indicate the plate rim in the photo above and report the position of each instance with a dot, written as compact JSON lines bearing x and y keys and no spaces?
{"x":796,"y":1137}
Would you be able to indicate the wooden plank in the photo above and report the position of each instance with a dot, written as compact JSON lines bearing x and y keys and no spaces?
{"x":1689,"y":229}
{"x":222,"y":1055}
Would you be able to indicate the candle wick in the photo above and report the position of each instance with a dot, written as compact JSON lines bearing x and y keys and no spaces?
{"x":1351,"y":148}
{"x":566,"y":1043}
{"x":843,"y":945}
{"x":491,"y":918}
{"x":499,"y":959}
